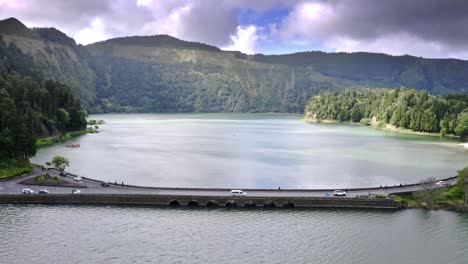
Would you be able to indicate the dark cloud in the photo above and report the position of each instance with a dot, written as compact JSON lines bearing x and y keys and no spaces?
{"x":420,"y":27}
{"x":207,"y":21}
{"x":442,"y":21}
{"x":433,"y":28}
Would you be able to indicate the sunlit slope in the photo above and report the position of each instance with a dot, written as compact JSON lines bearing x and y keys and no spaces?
{"x":50,"y":54}
{"x":195,"y":79}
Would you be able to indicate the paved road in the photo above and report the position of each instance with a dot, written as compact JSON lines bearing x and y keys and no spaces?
{"x":94,"y":187}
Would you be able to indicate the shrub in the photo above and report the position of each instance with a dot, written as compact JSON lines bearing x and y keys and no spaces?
{"x":365,"y":121}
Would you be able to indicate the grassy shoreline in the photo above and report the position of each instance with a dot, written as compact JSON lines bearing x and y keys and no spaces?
{"x":44,"y":142}
{"x":386,"y":127}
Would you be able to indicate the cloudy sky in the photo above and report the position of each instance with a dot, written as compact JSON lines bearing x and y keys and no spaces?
{"x":427,"y":28}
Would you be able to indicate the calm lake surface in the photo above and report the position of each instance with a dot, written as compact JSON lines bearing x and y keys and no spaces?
{"x":248,"y":151}
{"x":232,"y":150}
{"x":82,"y":234}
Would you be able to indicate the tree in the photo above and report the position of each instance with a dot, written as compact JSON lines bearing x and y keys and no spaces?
{"x":60,"y":163}
{"x":462,"y":128}
{"x":429,"y":193}
{"x":462,"y":184}
{"x":29,"y":110}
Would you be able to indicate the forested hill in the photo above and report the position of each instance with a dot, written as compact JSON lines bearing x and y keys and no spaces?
{"x":29,"y":110}
{"x":437,"y":76}
{"x":47,"y":53}
{"x":401,"y":108}
{"x":165,"y":74}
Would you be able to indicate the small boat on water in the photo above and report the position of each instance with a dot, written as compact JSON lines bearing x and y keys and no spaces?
{"x":73,"y":146}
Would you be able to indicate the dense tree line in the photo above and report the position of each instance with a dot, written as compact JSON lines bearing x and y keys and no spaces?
{"x":404,"y":108}
{"x":29,"y":110}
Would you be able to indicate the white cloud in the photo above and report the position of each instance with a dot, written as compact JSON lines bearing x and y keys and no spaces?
{"x":190,"y":20}
{"x":167,"y":20}
{"x":93,"y":33}
{"x":245,"y":39}
{"x":307,"y":21}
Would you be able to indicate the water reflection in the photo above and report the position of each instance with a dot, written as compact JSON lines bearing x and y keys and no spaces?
{"x":264,"y":151}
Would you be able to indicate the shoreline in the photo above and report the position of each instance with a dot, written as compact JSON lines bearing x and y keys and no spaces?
{"x":49,"y":141}
{"x":392,"y":129}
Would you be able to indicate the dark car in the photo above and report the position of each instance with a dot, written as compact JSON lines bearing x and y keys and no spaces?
{"x":43,"y":192}
{"x":105,"y":184}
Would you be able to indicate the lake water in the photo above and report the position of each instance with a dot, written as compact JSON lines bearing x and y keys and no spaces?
{"x":248,"y":151}
{"x":84,"y":234}
{"x":233,"y":150}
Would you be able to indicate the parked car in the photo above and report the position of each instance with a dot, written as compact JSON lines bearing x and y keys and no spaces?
{"x":339,"y":193}
{"x":238,"y":193}
{"x":105,"y":184}
{"x":64,"y":174}
{"x":76,"y":191}
{"x":28,"y":191}
{"x":78,"y":178}
{"x":43,"y":191}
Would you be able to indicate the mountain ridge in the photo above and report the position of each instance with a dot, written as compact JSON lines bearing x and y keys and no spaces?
{"x":161,"y":73}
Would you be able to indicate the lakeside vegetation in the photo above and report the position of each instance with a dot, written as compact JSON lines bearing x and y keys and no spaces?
{"x":399,"y":110}
{"x":47,"y":141}
{"x":432,"y":197}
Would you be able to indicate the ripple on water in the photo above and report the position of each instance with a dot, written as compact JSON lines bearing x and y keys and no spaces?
{"x":68,"y":234}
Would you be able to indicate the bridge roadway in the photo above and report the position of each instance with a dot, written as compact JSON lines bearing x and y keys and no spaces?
{"x":91,"y":186}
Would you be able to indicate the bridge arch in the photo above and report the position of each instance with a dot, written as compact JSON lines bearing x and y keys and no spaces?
{"x":174,"y":203}
{"x":230,"y":203}
{"x":211,"y":203}
{"x":193,"y":203}
{"x":250,"y":204}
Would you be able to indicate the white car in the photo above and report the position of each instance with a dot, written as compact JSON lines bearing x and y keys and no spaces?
{"x":76,"y":191}
{"x":339,"y":193}
{"x":441,"y":183}
{"x":78,"y":178}
{"x":238,"y":193}
{"x":28,"y":191}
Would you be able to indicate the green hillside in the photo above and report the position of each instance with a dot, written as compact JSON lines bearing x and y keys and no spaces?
{"x":164,"y":74}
